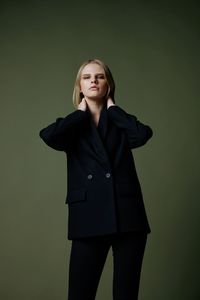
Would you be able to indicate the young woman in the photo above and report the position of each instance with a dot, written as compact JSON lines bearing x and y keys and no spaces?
{"x":104,"y":198}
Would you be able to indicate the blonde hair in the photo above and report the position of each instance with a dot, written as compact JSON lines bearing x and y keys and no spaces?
{"x":77,"y":95}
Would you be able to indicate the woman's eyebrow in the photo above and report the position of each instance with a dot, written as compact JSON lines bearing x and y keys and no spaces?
{"x":95,"y":74}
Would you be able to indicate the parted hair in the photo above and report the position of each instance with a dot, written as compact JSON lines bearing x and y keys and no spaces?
{"x":77,"y":95}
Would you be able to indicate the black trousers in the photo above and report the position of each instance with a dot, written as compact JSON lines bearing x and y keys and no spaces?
{"x":87,"y":259}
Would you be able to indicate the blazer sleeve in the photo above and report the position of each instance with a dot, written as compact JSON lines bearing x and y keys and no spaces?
{"x":137,"y":133}
{"x":61,"y":134}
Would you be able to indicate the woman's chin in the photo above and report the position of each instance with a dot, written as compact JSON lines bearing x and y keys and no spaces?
{"x":95,"y":98}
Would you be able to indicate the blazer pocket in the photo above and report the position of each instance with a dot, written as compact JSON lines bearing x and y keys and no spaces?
{"x":74,"y":196}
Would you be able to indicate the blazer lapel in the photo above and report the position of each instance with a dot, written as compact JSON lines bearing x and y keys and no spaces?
{"x":103,"y":123}
{"x":95,"y":138}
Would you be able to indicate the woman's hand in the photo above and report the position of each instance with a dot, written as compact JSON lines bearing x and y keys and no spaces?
{"x":82,"y":105}
{"x":109,"y":102}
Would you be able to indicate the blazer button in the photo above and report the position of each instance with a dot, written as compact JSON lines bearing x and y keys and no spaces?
{"x":89,"y":176}
{"x":107,"y":175}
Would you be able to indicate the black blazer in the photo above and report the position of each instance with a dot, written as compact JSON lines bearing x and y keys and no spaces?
{"x":103,"y":191}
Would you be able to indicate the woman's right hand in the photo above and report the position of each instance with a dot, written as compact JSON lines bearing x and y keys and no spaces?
{"x":82,"y":105}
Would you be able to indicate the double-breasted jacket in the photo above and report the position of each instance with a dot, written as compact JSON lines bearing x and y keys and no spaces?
{"x":103,"y":190}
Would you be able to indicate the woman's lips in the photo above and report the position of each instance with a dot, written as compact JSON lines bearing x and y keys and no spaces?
{"x":93,"y":88}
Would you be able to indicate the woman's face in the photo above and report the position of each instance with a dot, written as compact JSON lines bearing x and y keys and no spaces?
{"x":93,"y":83}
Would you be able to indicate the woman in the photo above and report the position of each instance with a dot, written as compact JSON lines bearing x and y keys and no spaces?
{"x":105,"y":203}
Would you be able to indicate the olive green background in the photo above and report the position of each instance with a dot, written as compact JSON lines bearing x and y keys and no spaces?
{"x":152,"y":48}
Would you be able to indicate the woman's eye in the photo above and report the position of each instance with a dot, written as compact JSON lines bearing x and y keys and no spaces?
{"x":96,"y":77}
{"x":101,"y":76}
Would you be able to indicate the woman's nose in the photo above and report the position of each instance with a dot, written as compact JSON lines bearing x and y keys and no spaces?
{"x":93,"y":80}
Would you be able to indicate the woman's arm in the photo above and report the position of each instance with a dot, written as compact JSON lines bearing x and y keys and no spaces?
{"x":137,"y":133}
{"x":60,"y":134}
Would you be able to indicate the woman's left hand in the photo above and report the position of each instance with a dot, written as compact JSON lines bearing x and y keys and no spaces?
{"x":109,"y":102}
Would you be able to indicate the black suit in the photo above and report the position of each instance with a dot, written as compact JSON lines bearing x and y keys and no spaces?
{"x":104,"y":194}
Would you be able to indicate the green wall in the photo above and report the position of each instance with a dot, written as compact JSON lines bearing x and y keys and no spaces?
{"x":153,"y":49}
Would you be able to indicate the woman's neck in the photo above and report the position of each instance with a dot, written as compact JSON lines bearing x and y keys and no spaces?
{"x":95,"y":107}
